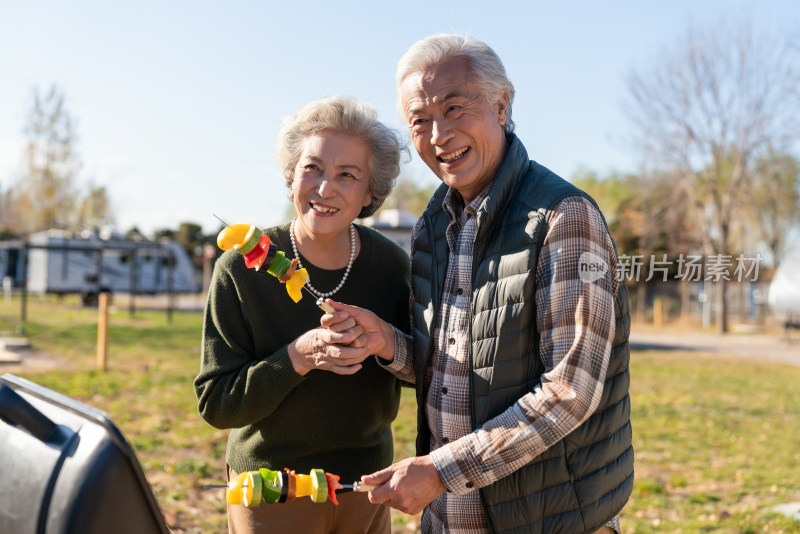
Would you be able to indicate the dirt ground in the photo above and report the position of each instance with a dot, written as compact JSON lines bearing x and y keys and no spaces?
{"x":775,"y":347}
{"x":25,"y":360}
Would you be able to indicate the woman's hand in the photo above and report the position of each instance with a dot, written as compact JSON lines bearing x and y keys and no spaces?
{"x":328,"y":350}
{"x":367,"y":329}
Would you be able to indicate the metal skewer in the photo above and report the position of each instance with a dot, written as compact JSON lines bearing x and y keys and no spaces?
{"x":355,"y":486}
{"x":319,"y":301}
{"x":359,"y":487}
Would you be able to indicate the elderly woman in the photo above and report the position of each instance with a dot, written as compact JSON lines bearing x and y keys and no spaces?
{"x":294,"y":394}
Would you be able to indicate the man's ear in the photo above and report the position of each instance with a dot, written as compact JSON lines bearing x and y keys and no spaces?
{"x":501,"y":105}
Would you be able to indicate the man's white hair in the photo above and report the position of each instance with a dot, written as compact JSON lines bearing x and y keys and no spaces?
{"x":490,"y":74}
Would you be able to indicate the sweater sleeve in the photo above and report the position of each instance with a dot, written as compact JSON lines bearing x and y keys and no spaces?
{"x":235,"y":386}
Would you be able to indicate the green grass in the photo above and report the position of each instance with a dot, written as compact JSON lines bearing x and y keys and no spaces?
{"x":717,"y":439}
{"x":717,"y":442}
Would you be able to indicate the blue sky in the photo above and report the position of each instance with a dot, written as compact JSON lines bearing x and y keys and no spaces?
{"x":178,"y":103}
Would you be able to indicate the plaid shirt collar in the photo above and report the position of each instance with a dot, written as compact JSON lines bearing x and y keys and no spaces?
{"x":453,"y":205}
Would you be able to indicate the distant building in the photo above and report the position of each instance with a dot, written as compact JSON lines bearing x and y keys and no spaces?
{"x":11,"y":262}
{"x":394,"y":224}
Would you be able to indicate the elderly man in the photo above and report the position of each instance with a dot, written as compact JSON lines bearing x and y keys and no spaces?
{"x":519,"y":349}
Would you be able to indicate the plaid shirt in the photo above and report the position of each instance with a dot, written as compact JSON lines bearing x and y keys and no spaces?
{"x":576,"y":324}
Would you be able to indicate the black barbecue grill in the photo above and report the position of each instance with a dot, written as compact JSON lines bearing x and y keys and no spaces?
{"x":66,"y":468}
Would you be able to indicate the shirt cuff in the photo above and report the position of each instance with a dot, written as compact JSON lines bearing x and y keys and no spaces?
{"x":447,"y":466}
{"x":402,"y":353}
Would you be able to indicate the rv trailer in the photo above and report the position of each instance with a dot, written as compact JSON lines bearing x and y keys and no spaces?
{"x":59,"y":262}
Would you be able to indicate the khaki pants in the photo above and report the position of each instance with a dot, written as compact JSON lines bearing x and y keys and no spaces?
{"x":354,"y":515}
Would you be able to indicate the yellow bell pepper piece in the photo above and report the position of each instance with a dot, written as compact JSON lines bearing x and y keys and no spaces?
{"x":304,"y":486}
{"x":231,"y":235}
{"x":233,"y":495}
{"x":296,"y":283}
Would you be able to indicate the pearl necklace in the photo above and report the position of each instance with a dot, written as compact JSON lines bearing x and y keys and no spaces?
{"x":318,"y":293}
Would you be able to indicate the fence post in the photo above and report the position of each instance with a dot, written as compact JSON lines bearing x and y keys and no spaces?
{"x":658,"y":308}
{"x":102,"y":331}
{"x":24,"y":302}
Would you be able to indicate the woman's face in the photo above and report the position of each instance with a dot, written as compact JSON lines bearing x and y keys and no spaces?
{"x":331,"y":183}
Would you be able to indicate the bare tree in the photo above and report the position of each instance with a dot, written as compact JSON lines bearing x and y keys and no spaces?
{"x":4,"y":215}
{"x":10,"y":215}
{"x":776,"y":200}
{"x":46,"y":195}
{"x":707,"y":108}
{"x":94,"y":210}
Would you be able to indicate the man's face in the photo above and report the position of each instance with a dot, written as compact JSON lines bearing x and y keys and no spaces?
{"x":456,"y":129}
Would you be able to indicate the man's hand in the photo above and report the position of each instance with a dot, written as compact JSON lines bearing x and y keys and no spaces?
{"x":368,"y":329}
{"x":409,"y":485}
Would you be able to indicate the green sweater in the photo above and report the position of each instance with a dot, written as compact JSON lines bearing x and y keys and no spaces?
{"x":341,"y":424}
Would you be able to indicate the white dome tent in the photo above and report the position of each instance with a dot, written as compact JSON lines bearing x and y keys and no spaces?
{"x":784,"y":291}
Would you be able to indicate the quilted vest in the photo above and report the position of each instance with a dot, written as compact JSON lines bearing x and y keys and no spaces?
{"x":585,"y":479}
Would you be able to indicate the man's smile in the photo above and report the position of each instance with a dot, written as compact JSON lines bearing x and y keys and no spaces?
{"x":452,"y":156}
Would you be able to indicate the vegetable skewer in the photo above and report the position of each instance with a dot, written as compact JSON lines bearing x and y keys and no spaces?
{"x":252,"y":487}
{"x":259,"y":251}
